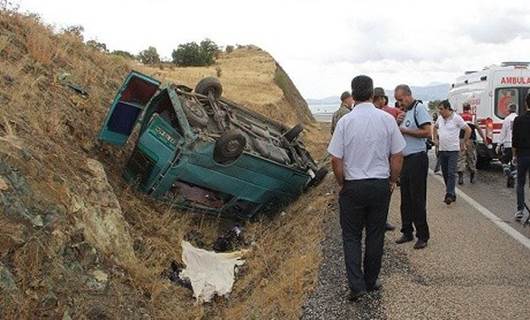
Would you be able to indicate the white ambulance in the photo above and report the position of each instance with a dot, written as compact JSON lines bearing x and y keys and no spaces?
{"x":490,"y":92}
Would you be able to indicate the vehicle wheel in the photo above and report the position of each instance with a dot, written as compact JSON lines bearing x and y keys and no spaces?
{"x":319,"y":176}
{"x":195,"y":113}
{"x":209,"y":84}
{"x":483,"y":163}
{"x":229,"y":147}
{"x":294,"y":132}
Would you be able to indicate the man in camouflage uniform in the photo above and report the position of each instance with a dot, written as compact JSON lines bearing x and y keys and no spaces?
{"x":345,"y":107}
{"x":467,"y":159}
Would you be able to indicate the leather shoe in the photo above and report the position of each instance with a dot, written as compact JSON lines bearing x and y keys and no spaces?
{"x":375,"y":287}
{"x":404,"y":238}
{"x":420,"y":244}
{"x":389,"y":227}
{"x":355,"y":296}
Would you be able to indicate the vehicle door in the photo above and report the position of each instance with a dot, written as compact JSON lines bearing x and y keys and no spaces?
{"x":127,"y":106}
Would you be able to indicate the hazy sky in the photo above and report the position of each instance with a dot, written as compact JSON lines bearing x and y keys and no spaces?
{"x":321,"y":44}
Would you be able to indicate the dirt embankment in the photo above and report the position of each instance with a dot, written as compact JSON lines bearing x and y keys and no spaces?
{"x":76,"y":242}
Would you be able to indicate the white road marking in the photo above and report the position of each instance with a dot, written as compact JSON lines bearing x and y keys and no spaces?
{"x":489,"y":215}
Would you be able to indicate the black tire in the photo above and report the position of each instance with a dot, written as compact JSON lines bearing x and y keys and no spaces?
{"x":229,"y":147}
{"x":294,"y":132}
{"x":209,"y":84}
{"x":319,"y":176}
{"x":195,"y":113}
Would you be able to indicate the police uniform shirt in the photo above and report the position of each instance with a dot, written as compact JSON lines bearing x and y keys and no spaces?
{"x":415,"y":145}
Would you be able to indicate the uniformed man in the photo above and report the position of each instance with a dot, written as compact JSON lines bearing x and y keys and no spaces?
{"x":345,"y":107}
{"x":415,"y":124}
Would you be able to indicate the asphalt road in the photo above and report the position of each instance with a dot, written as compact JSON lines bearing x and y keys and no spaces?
{"x":491,"y":192}
{"x":472,"y":269}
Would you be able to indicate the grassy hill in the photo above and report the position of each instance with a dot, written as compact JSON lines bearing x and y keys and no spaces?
{"x":251,"y":77}
{"x":76,"y":242}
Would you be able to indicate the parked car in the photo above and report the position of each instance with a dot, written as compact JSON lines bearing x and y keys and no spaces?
{"x":203,"y":152}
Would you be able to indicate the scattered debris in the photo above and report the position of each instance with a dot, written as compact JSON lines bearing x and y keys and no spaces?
{"x":209,"y":272}
{"x":230,"y":240}
{"x":64,"y":78}
{"x":173,"y":273}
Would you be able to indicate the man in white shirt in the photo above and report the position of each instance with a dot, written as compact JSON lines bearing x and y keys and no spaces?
{"x":505,"y":142}
{"x":366,"y":159}
{"x":447,"y":138}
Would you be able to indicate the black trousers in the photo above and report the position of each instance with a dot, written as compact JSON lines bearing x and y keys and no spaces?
{"x":413,"y":185}
{"x":363,"y":204}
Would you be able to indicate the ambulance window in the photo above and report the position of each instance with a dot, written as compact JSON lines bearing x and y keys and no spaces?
{"x":503,"y":99}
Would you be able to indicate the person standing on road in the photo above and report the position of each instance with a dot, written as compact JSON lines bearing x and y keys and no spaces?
{"x":468,"y":159}
{"x":366,"y":160}
{"x":345,"y":107}
{"x":447,"y":130}
{"x":505,"y":144}
{"x":521,"y":153}
{"x":436,"y":151}
{"x":415,"y":125}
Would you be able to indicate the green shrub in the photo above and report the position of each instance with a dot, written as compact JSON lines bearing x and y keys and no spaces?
{"x":193,"y":54}
{"x":149,"y":56}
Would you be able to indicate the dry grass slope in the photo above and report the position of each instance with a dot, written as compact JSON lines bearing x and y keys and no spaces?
{"x":47,"y":134}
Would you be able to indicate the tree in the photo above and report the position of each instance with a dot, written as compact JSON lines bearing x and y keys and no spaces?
{"x":433,"y":105}
{"x":122,"y":53}
{"x":149,"y":56}
{"x":187,"y":54}
{"x":193,"y":54}
{"x":100,"y":46}
{"x":229,"y":49}
{"x":208,"y":51}
{"x":76,"y":30}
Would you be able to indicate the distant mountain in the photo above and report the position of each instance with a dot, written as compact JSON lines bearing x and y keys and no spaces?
{"x":327,"y":100}
{"x":425,"y":93}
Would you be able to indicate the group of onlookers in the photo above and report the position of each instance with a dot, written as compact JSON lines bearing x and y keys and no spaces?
{"x":375,"y":146}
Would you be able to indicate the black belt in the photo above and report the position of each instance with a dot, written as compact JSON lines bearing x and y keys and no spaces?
{"x":415,"y":154}
{"x":368,"y":179}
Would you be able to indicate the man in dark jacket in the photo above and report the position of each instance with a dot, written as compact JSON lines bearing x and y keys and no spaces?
{"x":521,"y":153}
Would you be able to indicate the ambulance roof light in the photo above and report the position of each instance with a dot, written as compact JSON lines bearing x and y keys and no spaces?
{"x":515,"y":64}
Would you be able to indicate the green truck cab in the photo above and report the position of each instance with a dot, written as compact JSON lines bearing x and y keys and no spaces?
{"x":202,"y":152}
